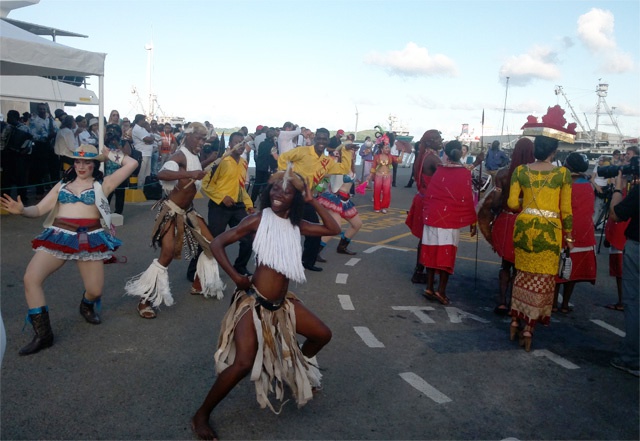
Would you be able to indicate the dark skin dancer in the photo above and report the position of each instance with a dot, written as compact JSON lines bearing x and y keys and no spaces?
{"x":272,"y":285}
{"x":182,"y":195}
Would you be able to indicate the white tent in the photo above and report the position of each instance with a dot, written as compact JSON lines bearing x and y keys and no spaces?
{"x":23,"y":53}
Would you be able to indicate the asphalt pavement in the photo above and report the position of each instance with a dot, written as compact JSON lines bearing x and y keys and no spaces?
{"x":399,"y":366}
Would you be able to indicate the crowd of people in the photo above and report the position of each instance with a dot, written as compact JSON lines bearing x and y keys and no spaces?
{"x":304,"y":182}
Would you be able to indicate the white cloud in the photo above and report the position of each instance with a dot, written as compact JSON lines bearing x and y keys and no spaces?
{"x":538,"y":63}
{"x":596,"y":31}
{"x":413,"y":61}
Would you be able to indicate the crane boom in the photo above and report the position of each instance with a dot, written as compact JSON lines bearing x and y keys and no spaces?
{"x":573,"y":112}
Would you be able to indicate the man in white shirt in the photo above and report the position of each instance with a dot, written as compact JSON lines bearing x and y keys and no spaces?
{"x":143,"y":142}
{"x":288,"y":137}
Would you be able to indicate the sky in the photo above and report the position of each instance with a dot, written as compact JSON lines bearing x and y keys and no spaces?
{"x":354,"y":64}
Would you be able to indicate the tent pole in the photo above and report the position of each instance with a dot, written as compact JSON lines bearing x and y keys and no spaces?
{"x":101,"y":113}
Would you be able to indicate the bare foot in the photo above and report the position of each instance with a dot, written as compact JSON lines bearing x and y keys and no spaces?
{"x":202,"y":429}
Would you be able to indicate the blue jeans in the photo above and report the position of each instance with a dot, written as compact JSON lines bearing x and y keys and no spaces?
{"x":629,"y":354}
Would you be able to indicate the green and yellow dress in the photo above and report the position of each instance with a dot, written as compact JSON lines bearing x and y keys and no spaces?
{"x":537,"y":238}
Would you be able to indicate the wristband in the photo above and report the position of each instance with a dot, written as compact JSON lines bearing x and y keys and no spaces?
{"x":116,"y":156}
{"x":617,"y":191}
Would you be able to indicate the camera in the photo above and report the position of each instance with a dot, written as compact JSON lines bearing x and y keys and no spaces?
{"x":630,"y":169}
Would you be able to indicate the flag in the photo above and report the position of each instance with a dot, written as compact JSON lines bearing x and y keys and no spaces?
{"x":483,"y":117}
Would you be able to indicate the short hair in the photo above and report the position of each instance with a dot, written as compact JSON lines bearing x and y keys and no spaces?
{"x":13,"y":114}
{"x":634,"y":149}
{"x":322,"y":130}
{"x":67,"y":121}
{"x":616,"y":152}
{"x":234,"y":134}
{"x":543,"y":147}
{"x":495,"y":144}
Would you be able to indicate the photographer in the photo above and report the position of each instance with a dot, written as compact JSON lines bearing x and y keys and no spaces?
{"x":621,"y":210}
{"x":601,"y":189}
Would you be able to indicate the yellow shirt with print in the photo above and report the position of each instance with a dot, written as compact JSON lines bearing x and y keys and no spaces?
{"x":228,"y":180}
{"x":312,"y":167}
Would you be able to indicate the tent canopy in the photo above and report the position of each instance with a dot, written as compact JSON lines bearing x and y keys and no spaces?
{"x":23,"y":53}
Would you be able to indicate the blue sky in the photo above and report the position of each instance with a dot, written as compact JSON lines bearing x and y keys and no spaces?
{"x":431,"y":64}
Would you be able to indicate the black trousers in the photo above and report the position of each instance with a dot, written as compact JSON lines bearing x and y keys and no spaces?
{"x":262,"y":177}
{"x":219,"y":216}
{"x":120,"y":194}
{"x":311,"y":245}
{"x":15,"y":172}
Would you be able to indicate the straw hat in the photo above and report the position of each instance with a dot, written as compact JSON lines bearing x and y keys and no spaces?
{"x":86,"y":151}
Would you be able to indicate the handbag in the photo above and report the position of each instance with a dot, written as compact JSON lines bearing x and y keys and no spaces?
{"x":564,"y":269}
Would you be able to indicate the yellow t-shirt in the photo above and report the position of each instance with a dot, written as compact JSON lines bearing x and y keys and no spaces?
{"x":312,"y":167}
{"x":228,"y":180}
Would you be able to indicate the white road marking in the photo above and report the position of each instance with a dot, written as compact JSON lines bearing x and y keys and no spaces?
{"x":352,"y":262}
{"x":378,"y":247}
{"x":424,"y":387}
{"x":419,"y":311}
{"x":367,"y":337}
{"x":456,"y":315}
{"x":345,"y":302}
{"x":555,"y":358}
{"x":341,"y":278}
{"x":608,"y":327}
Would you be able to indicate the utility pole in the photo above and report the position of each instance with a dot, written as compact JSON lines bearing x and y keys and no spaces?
{"x":356,"y":130}
{"x":504,"y":109}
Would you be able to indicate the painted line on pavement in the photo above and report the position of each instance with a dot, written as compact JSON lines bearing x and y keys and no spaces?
{"x":456,"y":315}
{"x":608,"y":327}
{"x":378,"y":247}
{"x":367,"y":337}
{"x":341,"y":278}
{"x":352,"y":262}
{"x":555,"y":358}
{"x":419,"y":312}
{"x":424,"y":387}
{"x":345,"y":302}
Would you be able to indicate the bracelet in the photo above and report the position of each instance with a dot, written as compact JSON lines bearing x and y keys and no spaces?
{"x":617,"y":191}
{"x":569,"y":240}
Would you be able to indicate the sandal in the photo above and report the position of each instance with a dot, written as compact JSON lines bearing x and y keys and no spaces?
{"x":146,"y":312}
{"x":615,"y":307}
{"x":195,"y":291}
{"x":501,"y":310}
{"x":436,"y":296}
{"x":566,"y":310}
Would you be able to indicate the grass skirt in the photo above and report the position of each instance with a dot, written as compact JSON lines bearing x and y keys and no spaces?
{"x":279,"y":360}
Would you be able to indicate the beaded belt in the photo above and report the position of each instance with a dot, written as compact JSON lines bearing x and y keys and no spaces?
{"x":543,"y":213}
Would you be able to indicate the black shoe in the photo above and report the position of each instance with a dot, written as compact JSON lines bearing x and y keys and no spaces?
{"x":313,"y":268}
{"x":408,"y":186}
{"x":321,"y":259}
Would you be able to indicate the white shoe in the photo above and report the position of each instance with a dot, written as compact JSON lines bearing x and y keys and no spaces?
{"x":384,"y":211}
{"x":376,"y":211}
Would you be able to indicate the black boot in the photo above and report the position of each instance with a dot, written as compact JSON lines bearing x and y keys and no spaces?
{"x":87,"y":310}
{"x":342,"y":247}
{"x":42,"y":327}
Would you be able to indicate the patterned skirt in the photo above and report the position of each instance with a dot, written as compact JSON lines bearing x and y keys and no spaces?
{"x":332,"y":201}
{"x":532,"y":297}
{"x":76,"y":239}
